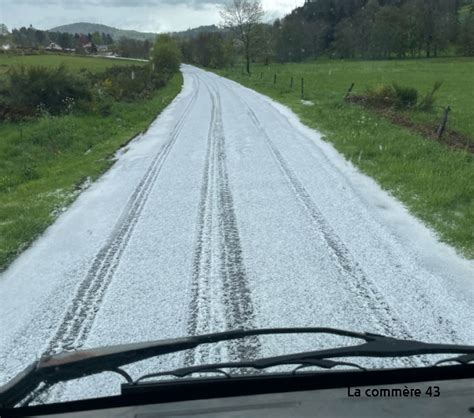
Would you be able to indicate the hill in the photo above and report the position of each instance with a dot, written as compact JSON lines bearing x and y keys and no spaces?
{"x":192,"y":33}
{"x":115,"y":33}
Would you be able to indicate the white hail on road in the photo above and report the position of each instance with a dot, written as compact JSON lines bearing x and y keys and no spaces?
{"x":228,"y":213}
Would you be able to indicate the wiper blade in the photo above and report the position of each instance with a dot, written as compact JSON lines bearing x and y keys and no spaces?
{"x":68,"y":366}
{"x":376,"y":346}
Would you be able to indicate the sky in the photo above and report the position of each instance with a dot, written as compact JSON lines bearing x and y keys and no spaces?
{"x":141,"y":15}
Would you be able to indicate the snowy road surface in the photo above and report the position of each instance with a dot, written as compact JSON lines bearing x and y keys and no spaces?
{"x":228,"y":213}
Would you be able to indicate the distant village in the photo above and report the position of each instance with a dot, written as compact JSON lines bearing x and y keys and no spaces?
{"x":31,"y":41}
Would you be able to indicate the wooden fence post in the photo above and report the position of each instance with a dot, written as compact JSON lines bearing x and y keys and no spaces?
{"x":349,"y":91}
{"x":275,"y":79}
{"x":444,"y":121}
{"x":291,"y":83}
{"x":302,"y":87}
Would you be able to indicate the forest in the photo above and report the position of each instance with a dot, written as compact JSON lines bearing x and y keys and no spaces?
{"x":364,"y":29}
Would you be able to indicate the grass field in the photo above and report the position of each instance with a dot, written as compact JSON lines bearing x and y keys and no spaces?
{"x":72,"y":62}
{"x":44,"y":162}
{"x":435,"y":182}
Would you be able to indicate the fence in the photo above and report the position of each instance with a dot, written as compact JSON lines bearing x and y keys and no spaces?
{"x":278,"y":80}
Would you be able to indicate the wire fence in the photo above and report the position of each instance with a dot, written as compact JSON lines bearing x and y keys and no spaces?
{"x":443,"y":114}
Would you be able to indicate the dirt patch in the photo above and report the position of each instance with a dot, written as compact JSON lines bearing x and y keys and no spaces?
{"x":450,"y":138}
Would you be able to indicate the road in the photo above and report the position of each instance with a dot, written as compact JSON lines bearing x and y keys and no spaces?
{"x":229,"y":213}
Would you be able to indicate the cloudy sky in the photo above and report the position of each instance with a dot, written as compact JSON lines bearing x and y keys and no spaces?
{"x":142,"y":15}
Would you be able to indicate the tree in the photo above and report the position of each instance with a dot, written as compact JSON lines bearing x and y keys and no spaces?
{"x":166,"y":55}
{"x":266,"y":47}
{"x":242,"y":18}
{"x":466,"y":35}
{"x":96,"y":38}
{"x":389,"y":33}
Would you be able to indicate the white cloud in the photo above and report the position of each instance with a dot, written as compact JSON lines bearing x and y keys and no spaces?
{"x":142,"y":15}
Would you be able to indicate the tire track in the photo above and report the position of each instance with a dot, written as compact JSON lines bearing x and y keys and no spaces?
{"x":80,"y":316}
{"x":349,"y":268}
{"x":220,"y":296}
{"x":444,"y":324}
{"x":365,"y":290}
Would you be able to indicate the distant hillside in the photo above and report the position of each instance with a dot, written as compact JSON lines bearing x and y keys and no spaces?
{"x":115,"y":33}
{"x":192,"y":33}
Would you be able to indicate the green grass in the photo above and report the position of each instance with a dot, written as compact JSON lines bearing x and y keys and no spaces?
{"x":71,"y":61}
{"x":43,"y":162}
{"x":435,"y":182}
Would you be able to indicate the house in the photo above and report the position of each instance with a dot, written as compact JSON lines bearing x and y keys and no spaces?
{"x":104,"y":51}
{"x":6,"y":47}
{"x":53,"y":47}
{"x":89,"y":48}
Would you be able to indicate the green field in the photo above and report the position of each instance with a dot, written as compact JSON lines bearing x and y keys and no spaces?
{"x":434,"y":181}
{"x":72,"y":62}
{"x":44,"y":162}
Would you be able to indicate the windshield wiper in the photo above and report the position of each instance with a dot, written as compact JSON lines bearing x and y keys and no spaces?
{"x":69,"y":366}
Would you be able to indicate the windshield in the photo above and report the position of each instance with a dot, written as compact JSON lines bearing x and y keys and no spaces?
{"x":173,"y":169}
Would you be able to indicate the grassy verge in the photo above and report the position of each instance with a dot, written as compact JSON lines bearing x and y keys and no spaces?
{"x":435,"y":182}
{"x":43,"y":163}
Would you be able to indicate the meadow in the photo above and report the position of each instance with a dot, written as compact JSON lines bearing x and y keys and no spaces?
{"x":434,"y":181}
{"x":71,"y":61}
{"x":45,"y":162}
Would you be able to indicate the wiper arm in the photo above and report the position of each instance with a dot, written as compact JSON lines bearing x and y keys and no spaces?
{"x":376,"y":346}
{"x":68,"y":366}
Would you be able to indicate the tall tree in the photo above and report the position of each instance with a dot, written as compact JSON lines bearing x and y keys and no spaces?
{"x":466,"y":35}
{"x":242,"y":18}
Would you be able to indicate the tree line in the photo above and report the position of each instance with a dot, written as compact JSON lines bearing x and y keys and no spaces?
{"x":367,"y":29}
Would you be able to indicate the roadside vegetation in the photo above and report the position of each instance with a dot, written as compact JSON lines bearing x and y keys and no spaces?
{"x":60,"y":127}
{"x":435,"y":181}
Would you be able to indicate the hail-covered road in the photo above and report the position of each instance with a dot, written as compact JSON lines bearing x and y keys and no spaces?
{"x":228,"y":213}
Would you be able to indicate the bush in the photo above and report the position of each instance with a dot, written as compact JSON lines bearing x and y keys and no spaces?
{"x":38,"y":91}
{"x":166,"y":55}
{"x":392,"y":95}
{"x":381,"y":96}
{"x":406,"y":97}
{"x":50,"y":90}
{"x":129,"y":83}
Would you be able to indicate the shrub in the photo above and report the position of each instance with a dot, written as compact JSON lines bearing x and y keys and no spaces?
{"x":381,"y":96}
{"x":129,"y":83}
{"x":406,"y":97}
{"x":392,"y":95}
{"x":53,"y":90}
{"x":166,"y":55}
